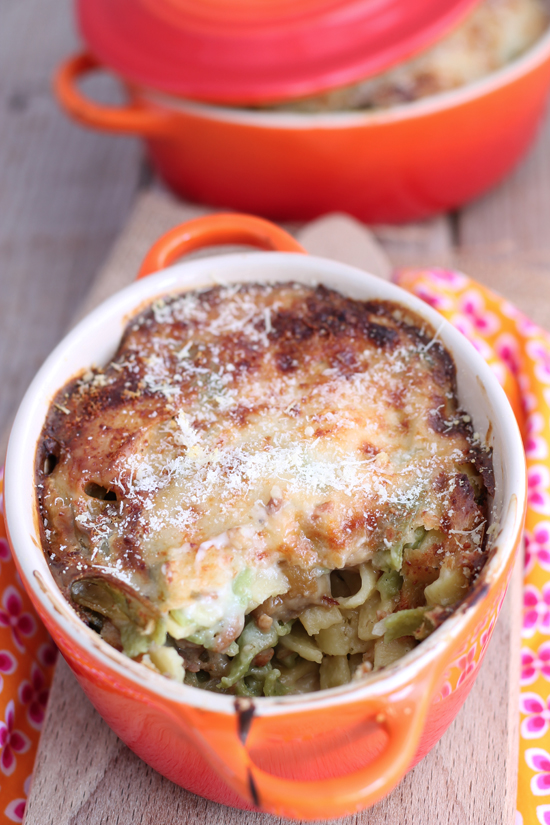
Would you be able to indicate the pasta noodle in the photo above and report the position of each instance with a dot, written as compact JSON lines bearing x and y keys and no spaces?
{"x":368,"y":583}
{"x":315,"y":619}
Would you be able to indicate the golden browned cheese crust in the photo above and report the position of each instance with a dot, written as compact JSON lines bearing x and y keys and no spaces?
{"x":245,"y":441}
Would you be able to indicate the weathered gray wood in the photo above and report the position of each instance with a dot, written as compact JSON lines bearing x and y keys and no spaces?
{"x":155,"y":212}
{"x":504,"y":238}
{"x":344,"y":239}
{"x":64,"y":192}
{"x":427,"y":242}
{"x":515,"y":216}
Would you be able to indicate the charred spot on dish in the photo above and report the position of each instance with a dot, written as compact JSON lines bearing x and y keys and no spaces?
{"x":482,"y":459}
{"x":288,"y":325}
{"x":48,"y":455}
{"x":444,"y":370}
{"x":245,"y":714}
{"x":458,"y":423}
{"x":269,"y":489}
{"x":477,"y":594}
{"x":381,"y":335}
{"x":286,"y":362}
{"x":254,"y":795}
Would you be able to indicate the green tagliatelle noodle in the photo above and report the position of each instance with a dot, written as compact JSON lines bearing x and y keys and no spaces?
{"x":251,"y":642}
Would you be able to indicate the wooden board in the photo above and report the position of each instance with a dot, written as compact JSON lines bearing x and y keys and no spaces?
{"x":84,"y":774}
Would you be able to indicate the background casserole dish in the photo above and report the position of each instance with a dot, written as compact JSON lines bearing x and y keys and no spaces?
{"x":403,"y":163}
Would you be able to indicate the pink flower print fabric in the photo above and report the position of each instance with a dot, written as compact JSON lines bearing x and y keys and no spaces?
{"x":535,"y":664}
{"x":34,"y":695}
{"x":5,"y":554}
{"x":538,"y":482}
{"x":23,"y":625}
{"x":27,"y":658}
{"x":15,"y":811}
{"x":537,"y":547}
{"x":536,"y":610}
{"x":537,"y":715}
{"x":12,"y":741}
{"x":476,"y":313}
{"x":535,"y":444}
{"x":539,"y":761}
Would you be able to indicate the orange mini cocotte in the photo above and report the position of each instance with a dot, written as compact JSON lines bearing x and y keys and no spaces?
{"x":311,"y":756}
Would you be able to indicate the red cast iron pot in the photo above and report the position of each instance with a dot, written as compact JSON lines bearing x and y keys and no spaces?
{"x":400,"y":164}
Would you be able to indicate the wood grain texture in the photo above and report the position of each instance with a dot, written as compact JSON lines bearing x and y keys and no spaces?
{"x":503,"y":239}
{"x":155,"y":212}
{"x":423,"y":242}
{"x":341,"y":238}
{"x":64,"y":192}
{"x":514,"y":218}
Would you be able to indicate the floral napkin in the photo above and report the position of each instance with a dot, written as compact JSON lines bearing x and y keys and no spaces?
{"x":519,"y":353}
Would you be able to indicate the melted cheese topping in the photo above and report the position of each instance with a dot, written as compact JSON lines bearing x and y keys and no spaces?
{"x":246,"y":440}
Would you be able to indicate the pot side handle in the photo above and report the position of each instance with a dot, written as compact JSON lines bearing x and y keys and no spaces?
{"x":131,"y":119}
{"x":403,"y":716}
{"x":216,"y":230}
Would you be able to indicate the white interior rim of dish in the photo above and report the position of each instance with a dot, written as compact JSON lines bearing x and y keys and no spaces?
{"x":507,"y":74}
{"x":74,"y":353}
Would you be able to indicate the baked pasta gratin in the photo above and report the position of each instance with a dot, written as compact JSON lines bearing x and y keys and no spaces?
{"x":270,"y":489}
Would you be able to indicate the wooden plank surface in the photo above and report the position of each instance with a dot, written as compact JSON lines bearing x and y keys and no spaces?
{"x":514,"y":218}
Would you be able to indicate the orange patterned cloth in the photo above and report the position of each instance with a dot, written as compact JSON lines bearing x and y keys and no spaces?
{"x":27,"y":657}
{"x":519,"y":354}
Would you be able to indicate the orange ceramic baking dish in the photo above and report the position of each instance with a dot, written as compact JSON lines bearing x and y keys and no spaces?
{"x":399,"y":164}
{"x":313,"y":756}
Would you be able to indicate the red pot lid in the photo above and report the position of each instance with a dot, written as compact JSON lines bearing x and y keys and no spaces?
{"x":247,"y":51}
